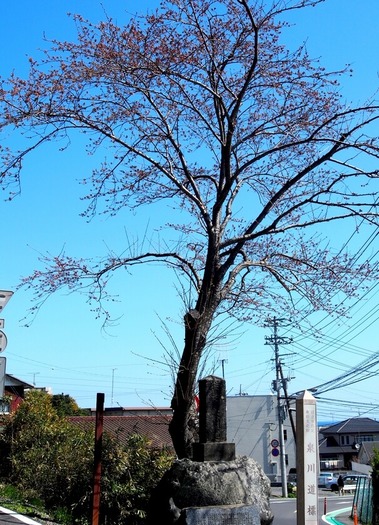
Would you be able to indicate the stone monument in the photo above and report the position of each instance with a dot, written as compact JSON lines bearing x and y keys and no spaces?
{"x":214,"y":487}
{"x":307,"y":459}
{"x":212,"y":444}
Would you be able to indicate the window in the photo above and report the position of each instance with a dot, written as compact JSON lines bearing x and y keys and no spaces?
{"x":285,"y":434}
{"x":4,"y":406}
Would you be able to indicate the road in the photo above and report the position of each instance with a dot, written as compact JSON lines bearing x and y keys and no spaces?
{"x":8,"y":517}
{"x":284,"y":510}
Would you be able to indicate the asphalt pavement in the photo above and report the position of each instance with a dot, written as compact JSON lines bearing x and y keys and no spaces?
{"x":335,"y":517}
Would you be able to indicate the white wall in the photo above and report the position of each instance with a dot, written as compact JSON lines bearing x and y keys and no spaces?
{"x":252,"y":424}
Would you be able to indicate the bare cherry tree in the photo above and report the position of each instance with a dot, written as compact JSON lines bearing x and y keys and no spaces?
{"x":208,"y":112}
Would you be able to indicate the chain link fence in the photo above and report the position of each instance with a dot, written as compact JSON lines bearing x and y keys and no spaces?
{"x":363,"y":501}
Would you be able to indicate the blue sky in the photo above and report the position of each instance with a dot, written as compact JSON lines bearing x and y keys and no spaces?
{"x":65,"y":347}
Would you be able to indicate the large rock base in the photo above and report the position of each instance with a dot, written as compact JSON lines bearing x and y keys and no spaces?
{"x":210,"y":483}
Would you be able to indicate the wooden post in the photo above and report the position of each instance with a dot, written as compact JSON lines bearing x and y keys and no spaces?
{"x":97,"y":459}
{"x":307,"y":459}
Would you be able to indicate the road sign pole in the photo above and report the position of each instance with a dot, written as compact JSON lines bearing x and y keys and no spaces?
{"x":4,"y":298}
{"x":2,"y":375}
{"x":3,"y":341}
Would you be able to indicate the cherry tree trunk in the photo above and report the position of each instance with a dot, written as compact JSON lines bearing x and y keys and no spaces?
{"x":183,"y":426}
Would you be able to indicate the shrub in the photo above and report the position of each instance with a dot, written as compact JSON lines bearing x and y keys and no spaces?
{"x":129,"y":474}
{"x":46,"y":456}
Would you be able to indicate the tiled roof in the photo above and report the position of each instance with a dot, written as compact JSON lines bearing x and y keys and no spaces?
{"x":366,"y":450}
{"x":324,"y":450}
{"x":11,"y":380}
{"x":155,"y":428}
{"x":357,"y":425}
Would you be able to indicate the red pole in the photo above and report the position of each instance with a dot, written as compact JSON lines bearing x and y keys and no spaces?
{"x":97,"y":459}
{"x":355,"y":515}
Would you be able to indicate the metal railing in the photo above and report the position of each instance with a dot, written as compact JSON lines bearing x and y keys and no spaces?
{"x":363,"y":501}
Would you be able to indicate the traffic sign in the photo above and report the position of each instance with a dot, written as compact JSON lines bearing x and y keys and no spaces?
{"x":275,"y":452}
{"x":275,"y":443}
{"x":4,"y":298}
{"x":3,"y":341}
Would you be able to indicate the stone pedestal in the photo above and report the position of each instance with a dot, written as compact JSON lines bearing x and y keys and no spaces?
{"x":213,"y":451}
{"x":222,"y":515}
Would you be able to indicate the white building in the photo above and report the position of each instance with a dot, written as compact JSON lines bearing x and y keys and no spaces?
{"x":252,"y":424}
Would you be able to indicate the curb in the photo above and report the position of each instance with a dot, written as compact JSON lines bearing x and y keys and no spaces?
{"x":331,"y":516}
{"x":20,"y":517}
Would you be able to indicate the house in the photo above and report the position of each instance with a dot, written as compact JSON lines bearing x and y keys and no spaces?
{"x":120,"y":422}
{"x":340,"y":443}
{"x":366,"y":451}
{"x":365,"y":454}
{"x":134,"y":411}
{"x":14,"y":390}
{"x":252,"y":424}
{"x":154,"y":427}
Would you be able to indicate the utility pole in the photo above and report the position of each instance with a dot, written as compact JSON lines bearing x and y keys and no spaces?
{"x":34,"y":374}
{"x":113,"y":370}
{"x":278,"y":384}
{"x":289,"y":410}
{"x":223,"y":361}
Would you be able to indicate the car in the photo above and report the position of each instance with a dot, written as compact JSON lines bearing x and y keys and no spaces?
{"x":324,"y":478}
{"x":350,"y":482}
{"x":292,"y":478}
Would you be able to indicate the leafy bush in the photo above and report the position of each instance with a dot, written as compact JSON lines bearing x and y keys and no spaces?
{"x":44,"y":455}
{"x":129,"y":474}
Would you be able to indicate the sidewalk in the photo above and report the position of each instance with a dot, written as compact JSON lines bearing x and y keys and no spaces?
{"x":340,"y":517}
